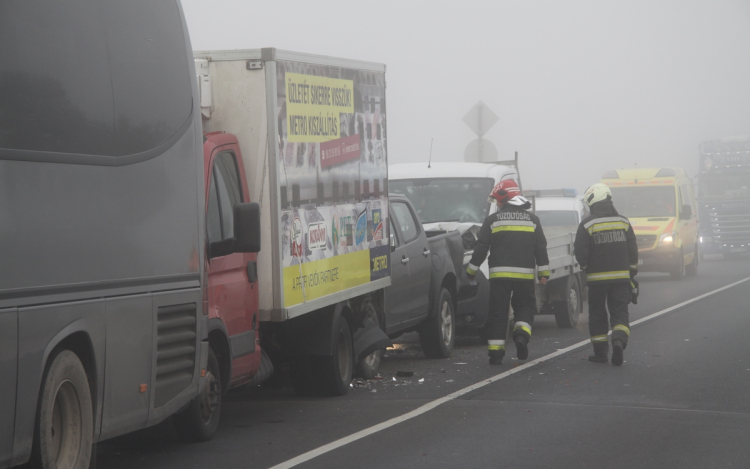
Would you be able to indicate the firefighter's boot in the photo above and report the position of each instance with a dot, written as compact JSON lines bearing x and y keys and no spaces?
{"x":601,"y":350}
{"x":496,"y":357}
{"x":617,"y":347}
{"x":522,"y":346}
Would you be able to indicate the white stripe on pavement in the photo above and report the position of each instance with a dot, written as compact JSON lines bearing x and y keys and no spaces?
{"x":432,"y":404}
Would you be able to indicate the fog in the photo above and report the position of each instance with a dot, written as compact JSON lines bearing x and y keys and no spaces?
{"x":579,"y":86}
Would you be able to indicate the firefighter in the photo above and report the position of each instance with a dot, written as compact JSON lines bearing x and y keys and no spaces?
{"x":606,"y":249}
{"x":516,"y":244}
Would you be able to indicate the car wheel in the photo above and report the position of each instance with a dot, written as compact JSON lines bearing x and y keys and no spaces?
{"x":438,"y":334}
{"x":692,"y":268}
{"x":568,"y":312}
{"x":201,"y":418}
{"x":678,"y":271}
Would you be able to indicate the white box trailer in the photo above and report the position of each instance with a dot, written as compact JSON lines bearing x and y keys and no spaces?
{"x":313,"y":139}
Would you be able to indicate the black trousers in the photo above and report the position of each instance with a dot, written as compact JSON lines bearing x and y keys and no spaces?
{"x":520,"y":294}
{"x":612,"y":296}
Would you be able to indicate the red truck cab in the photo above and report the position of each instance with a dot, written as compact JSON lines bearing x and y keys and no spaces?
{"x":230,"y":293}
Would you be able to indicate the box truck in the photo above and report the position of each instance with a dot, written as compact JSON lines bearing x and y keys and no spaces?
{"x":312,"y":130}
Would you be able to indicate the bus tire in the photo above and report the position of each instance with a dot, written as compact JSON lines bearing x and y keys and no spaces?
{"x":64,"y":428}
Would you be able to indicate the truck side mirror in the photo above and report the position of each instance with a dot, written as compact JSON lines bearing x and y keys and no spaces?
{"x":246,"y":227}
{"x":393,"y":242}
{"x":686,"y":212}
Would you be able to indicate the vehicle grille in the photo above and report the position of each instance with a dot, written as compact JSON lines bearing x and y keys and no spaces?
{"x":645,"y":241}
{"x":730,"y":225}
{"x":175,"y":351}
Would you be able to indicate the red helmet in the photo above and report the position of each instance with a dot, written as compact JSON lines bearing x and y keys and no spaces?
{"x":504,"y":191}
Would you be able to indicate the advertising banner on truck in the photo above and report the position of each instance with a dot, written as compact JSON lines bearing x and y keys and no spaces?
{"x":332,"y":175}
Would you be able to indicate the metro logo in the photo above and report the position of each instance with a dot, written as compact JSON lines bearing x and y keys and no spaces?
{"x":316,"y":235}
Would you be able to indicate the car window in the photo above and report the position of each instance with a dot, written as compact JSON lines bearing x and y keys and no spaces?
{"x":406,"y":221}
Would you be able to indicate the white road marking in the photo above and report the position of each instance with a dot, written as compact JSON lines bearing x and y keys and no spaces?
{"x":432,"y":404}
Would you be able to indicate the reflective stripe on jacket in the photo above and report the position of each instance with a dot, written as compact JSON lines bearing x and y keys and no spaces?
{"x":605,"y":245}
{"x":516,"y":244}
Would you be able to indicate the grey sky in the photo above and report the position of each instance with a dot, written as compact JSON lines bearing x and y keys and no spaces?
{"x":579,"y":86}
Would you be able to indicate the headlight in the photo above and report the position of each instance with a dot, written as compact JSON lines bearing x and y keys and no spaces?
{"x":667,"y":239}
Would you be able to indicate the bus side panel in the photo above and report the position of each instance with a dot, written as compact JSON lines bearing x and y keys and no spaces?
{"x":40,"y":330}
{"x":129,"y":347}
{"x":8,"y":370}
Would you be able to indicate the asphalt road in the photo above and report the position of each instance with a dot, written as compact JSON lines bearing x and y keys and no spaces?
{"x":679,"y":400}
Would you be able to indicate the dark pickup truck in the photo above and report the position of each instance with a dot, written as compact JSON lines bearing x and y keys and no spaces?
{"x":425,"y":266}
{"x":425,"y":270}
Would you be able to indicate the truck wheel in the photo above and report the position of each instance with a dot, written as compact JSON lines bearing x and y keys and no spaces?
{"x":678,"y":271}
{"x":326,"y":375}
{"x":201,"y":418}
{"x":64,"y":428}
{"x":692,"y":269}
{"x":568,"y":312}
{"x":335,"y":372}
{"x":438,"y":333}
{"x":369,"y":365}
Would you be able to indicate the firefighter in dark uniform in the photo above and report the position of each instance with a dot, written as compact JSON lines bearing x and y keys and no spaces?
{"x":516,"y":244}
{"x":606,"y":249}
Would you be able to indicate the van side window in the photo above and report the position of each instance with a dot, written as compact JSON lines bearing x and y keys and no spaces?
{"x":224,"y":193}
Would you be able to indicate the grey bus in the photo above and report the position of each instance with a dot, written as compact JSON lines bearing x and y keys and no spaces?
{"x":102,"y":320}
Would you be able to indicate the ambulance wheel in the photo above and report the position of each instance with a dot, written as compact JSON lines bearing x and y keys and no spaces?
{"x":678,"y":271}
{"x":568,"y":312}
{"x":692,"y":269}
{"x":199,"y":421}
{"x":64,"y":428}
{"x":438,"y":333}
{"x":368,"y":366}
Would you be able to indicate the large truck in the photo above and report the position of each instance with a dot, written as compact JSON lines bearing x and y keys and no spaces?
{"x":724,"y":197}
{"x":453,"y":197}
{"x":103,"y":324}
{"x":313,"y":135}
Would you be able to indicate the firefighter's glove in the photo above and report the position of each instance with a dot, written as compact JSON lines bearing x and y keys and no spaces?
{"x":634,"y":290}
{"x":543,"y":280}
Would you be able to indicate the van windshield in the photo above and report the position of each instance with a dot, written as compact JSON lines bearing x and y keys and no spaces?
{"x":639,"y":202}
{"x":447,"y":199}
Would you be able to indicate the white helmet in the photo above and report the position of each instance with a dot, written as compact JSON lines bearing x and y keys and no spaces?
{"x":597,"y":193}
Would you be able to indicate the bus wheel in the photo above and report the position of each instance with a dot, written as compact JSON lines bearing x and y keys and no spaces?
{"x":201,"y":418}
{"x":64,"y":428}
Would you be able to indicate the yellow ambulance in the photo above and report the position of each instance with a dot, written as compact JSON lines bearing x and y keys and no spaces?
{"x":661,"y":207}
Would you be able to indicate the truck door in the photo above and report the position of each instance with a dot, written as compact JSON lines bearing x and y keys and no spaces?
{"x":229,"y":291}
{"x":397,"y":295}
{"x":418,"y":255}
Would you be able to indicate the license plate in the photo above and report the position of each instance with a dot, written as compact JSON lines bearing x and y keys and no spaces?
{"x":737,"y":249}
